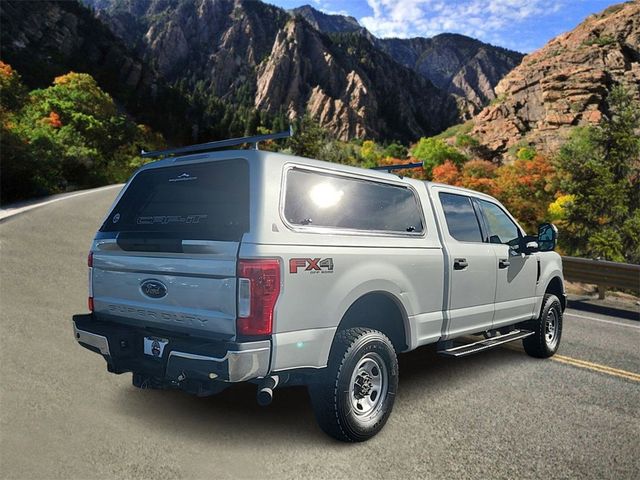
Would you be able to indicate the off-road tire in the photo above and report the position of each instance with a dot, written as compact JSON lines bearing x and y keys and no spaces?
{"x":540,"y":345}
{"x":333,"y":397}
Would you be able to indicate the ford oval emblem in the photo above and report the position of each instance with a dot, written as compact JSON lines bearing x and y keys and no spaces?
{"x":153,"y":288}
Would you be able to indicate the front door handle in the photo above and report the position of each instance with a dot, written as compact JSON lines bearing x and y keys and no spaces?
{"x":503,"y":263}
{"x":460,"y":263}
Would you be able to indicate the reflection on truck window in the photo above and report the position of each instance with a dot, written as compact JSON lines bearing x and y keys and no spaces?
{"x":501,"y":227}
{"x":321,"y":200}
{"x":461,"y":218}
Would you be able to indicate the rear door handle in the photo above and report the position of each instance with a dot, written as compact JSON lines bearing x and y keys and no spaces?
{"x":503,"y":263}
{"x":460,"y":263}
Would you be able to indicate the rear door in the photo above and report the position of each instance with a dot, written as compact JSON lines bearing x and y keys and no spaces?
{"x":472,"y":271}
{"x":166,"y":254}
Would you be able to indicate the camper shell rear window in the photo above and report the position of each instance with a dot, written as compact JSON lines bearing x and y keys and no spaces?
{"x":204,"y":201}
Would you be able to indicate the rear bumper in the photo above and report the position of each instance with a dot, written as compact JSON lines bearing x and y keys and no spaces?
{"x":183,"y":358}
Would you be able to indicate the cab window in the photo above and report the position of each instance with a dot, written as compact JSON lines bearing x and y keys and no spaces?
{"x":501,"y":228}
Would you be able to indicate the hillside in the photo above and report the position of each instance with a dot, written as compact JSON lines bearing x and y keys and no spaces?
{"x":461,"y":66}
{"x":564,"y":84}
{"x":43,"y":40}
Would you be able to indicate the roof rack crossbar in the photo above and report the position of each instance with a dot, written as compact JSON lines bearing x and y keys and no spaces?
{"x":201,"y":147}
{"x":391,"y":168}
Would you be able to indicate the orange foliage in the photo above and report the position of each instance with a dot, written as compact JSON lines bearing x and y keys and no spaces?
{"x":5,"y":69}
{"x":66,"y":78}
{"x":446,"y":173}
{"x":411,"y":173}
{"x":480,"y":175}
{"x":54,"y":120}
{"x":526,"y":187}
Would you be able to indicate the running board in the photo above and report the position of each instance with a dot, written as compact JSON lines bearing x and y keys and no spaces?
{"x":485,"y":344}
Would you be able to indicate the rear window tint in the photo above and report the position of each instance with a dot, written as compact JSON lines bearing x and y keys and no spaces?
{"x":462,"y":221}
{"x":323,"y":200}
{"x":206,"y":201}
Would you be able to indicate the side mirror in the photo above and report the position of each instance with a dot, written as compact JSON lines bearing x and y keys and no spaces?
{"x":529,"y":244}
{"x":547,"y":237}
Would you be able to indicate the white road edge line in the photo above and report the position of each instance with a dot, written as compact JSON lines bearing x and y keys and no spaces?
{"x":603,"y":320}
{"x":10,"y":212}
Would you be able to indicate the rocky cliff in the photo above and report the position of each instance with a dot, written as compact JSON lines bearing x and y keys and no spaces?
{"x":327,"y":23}
{"x":349,"y":86}
{"x":459,"y":65}
{"x":464,"y":67}
{"x":565,"y":83}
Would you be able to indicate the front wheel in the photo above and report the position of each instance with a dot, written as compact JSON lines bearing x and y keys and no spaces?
{"x":547,"y":329}
{"x":355,"y":397}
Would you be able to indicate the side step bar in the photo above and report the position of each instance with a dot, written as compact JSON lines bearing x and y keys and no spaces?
{"x":485,"y":344}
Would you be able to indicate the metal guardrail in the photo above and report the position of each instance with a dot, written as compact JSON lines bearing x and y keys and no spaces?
{"x":602,"y":273}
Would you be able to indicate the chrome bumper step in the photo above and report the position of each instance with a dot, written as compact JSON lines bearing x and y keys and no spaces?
{"x":484,"y":344}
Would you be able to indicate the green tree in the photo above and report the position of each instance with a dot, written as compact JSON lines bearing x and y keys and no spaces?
{"x":371,"y":153}
{"x":433,"y":152}
{"x":600,"y":167}
{"x":396,"y":150}
{"x":308,"y":139}
{"x":66,"y":136}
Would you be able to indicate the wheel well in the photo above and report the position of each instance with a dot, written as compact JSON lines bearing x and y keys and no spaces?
{"x":381,"y":312}
{"x":555,"y":287}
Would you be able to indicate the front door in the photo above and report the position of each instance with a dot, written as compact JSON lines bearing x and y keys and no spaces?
{"x":472,"y":270}
{"x":516,"y":272}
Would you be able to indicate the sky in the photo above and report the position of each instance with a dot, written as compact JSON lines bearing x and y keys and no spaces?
{"x":522,"y":25}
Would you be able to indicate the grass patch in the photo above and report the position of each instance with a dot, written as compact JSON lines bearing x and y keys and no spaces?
{"x":456,"y":130}
{"x":600,"y":41}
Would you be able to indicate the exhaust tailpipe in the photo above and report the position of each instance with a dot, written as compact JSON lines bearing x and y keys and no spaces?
{"x":265,"y":390}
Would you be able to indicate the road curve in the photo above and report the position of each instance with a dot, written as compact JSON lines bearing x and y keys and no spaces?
{"x":500,"y":414}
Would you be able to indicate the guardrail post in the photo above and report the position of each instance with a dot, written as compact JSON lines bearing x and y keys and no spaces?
{"x":601,"y":291}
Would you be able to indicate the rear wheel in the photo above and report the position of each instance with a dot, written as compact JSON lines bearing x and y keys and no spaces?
{"x":547,"y":329}
{"x":355,"y":397}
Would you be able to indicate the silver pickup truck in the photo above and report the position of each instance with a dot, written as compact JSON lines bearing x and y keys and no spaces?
{"x":245,"y":265}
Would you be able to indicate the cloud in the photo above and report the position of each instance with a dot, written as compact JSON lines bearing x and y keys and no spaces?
{"x":493,"y":21}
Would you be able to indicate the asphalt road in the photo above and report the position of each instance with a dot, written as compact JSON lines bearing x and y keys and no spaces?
{"x":500,"y":414}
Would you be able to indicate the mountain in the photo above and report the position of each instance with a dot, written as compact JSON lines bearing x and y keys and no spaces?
{"x":462,"y":66}
{"x":328,"y":23}
{"x":259,"y":56}
{"x":564,"y":84}
{"x":459,"y":65}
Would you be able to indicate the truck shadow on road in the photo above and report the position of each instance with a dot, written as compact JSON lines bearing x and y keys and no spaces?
{"x":234,"y":416}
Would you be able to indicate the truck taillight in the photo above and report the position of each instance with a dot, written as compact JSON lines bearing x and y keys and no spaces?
{"x":258,"y":290}
{"x":90,"y":265}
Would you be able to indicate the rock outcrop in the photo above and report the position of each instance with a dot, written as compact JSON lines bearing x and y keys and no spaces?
{"x":564,"y":84}
{"x":459,"y":65}
{"x":350,"y":97}
{"x":328,"y":23}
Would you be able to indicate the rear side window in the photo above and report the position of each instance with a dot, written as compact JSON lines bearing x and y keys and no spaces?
{"x":323,"y":200}
{"x":462,"y":221}
{"x":206,"y":201}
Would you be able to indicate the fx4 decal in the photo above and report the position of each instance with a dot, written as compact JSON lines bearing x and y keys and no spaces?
{"x":313,"y":265}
